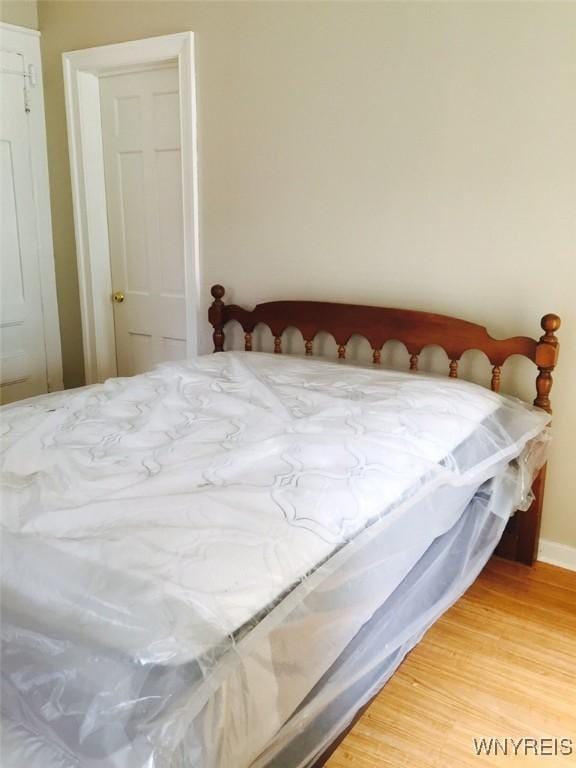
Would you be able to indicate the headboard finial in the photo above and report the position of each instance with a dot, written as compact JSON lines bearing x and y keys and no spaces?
{"x":218,"y":291}
{"x":550,"y":324}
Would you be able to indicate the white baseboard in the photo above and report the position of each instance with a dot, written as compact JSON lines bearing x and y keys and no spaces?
{"x":557,"y":554}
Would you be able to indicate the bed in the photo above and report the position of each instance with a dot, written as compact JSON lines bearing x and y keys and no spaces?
{"x":217,"y":563}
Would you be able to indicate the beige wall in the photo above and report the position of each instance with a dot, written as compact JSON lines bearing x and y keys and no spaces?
{"x":405,"y":154}
{"x":24,"y":13}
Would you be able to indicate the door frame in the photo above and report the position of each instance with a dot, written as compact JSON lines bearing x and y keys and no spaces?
{"x":81,"y":83}
{"x":27,"y":42}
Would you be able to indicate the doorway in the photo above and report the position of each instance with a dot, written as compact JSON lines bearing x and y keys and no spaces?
{"x":132,"y":136}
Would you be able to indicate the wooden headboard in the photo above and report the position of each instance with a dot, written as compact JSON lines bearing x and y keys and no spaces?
{"x":415,"y":330}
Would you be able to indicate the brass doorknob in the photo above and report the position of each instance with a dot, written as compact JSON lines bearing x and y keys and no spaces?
{"x":118,"y":297}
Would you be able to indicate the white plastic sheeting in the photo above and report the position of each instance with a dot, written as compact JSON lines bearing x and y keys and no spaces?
{"x":193,"y":558}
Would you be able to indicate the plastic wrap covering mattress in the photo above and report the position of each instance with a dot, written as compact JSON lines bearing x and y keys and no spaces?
{"x":212,"y":564}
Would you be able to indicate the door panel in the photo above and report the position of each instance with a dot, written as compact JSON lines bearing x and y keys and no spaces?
{"x":22,"y":352}
{"x":141,"y":141}
{"x":133,"y":268}
{"x":169,"y":186}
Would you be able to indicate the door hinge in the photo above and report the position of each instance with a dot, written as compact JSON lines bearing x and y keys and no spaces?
{"x":30,"y":81}
{"x":29,"y":76}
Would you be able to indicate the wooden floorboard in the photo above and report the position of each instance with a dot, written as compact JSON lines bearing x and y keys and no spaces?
{"x":500,"y":663}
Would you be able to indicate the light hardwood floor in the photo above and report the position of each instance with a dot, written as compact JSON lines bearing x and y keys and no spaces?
{"x":499,"y":663}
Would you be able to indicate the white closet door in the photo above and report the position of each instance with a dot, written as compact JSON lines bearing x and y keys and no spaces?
{"x":141,"y":142}
{"x":23,"y":370}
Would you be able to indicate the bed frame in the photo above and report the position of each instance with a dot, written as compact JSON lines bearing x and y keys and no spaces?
{"x":415,"y":330}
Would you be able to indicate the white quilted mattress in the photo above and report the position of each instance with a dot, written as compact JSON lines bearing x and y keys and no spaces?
{"x":151,"y":523}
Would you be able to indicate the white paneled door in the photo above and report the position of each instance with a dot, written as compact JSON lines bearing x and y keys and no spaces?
{"x":23,"y":368}
{"x":142,"y":165}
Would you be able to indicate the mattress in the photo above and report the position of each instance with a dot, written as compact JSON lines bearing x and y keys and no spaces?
{"x":162,"y":533}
